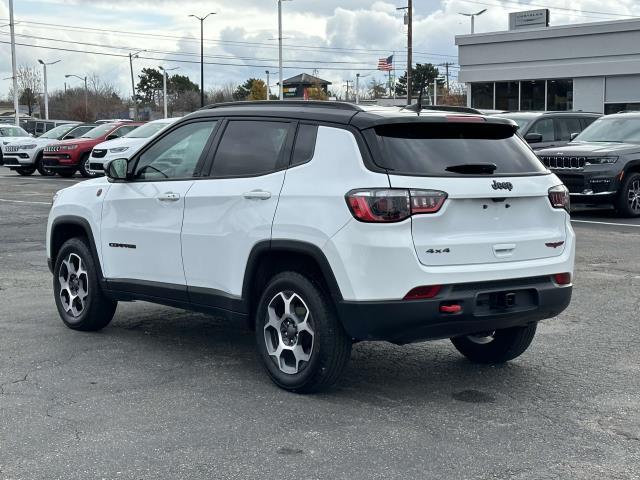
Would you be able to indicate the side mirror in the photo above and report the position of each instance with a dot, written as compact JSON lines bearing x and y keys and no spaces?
{"x":117,"y":169}
{"x":113,"y":136}
{"x":574,"y":135}
{"x":533,"y":137}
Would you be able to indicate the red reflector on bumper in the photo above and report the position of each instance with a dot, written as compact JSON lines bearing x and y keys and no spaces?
{"x":562,"y":278}
{"x":450,"y":308}
{"x":426,"y":291}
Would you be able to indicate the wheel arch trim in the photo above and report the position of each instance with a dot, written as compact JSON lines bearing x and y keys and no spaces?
{"x":76,"y":221}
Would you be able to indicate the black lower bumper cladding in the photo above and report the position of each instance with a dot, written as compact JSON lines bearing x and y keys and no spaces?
{"x":484,"y":306}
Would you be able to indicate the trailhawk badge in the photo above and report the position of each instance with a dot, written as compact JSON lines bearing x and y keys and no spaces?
{"x":502,"y":185}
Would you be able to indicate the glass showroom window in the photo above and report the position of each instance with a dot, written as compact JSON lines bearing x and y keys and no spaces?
{"x":560,"y":94}
{"x":610,"y":108}
{"x":507,"y":96}
{"x":482,"y":95}
{"x":532,"y":95}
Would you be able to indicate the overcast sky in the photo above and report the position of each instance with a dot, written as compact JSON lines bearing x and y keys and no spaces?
{"x":337,"y":37}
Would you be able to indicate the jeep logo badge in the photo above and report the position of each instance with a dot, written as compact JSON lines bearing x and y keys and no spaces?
{"x":502,"y":185}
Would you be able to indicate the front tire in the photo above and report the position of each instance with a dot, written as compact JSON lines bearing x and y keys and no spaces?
{"x":25,"y":171}
{"x":42,"y":170}
{"x":300,"y":339}
{"x":628,"y":204}
{"x":66,"y":173}
{"x":496,"y":347}
{"x":80,"y":301}
{"x":85,"y":170}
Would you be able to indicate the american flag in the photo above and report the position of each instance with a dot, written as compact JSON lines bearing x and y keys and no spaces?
{"x":386,"y":64}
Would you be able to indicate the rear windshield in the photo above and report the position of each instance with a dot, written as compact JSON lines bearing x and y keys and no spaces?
{"x":444,"y":149}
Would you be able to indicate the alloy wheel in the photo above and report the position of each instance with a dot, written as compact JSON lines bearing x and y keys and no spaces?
{"x":74,"y":285}
{"x":482,"y":338}
{"x":288,"y":332}
{"x":634,"y":196}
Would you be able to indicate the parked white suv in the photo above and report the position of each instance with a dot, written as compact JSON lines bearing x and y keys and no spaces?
{"x":320,"y":224}
{"x":25,"y":155}
{"x":127,"y":145}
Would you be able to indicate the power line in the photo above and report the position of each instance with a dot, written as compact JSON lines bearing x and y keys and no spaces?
{"x":244,"y":44}
{"x":290,"y":67}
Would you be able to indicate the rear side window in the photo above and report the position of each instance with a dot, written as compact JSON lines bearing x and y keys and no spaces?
{"x":250,"y":147}
{"x":305,"y":144}
{"x":440,"y":149}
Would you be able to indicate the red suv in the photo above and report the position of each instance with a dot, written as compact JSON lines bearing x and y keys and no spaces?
{"x":67,"y":156}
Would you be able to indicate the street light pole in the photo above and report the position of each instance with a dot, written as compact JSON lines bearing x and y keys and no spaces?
{"x":46,"y":93}
{"x":202,"y":19}
{"x":14,"y":68}
{"x":408,"y":20}
{"x":357,"y":88}
{"x":164,"y":86}
{"x":133,"y":85}
{"x":473,"y":18}
{"x":86,"y":94}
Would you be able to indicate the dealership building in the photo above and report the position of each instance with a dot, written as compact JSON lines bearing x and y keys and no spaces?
{"x":591,"y":67}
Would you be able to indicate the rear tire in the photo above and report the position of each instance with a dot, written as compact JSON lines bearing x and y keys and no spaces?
{"x":628,"y":204}
{"x":300,"y":340}
{"x":497,"y":347}
{"x":42,"y":170}
{"x":81,"y":303}
{"x":26,"y":171}
{"x":67,"y":173}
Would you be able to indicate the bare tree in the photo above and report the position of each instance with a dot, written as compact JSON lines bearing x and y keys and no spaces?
{"x":29,"y":86}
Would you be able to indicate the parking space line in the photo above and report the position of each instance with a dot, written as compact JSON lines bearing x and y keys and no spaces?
{"x":607,"y":223}
{"x":24,"y":201}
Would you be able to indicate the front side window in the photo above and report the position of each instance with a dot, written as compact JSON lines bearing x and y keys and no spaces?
{"x":175,"y":155}
{"x":565,"y":127}
{"x":250,"y":147}
{"x":545,"y":128}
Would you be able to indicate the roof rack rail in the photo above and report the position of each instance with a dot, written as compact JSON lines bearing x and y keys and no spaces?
{"x":287,"y":103}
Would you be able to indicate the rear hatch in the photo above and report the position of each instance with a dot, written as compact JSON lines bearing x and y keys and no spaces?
{"x":497,"y":207}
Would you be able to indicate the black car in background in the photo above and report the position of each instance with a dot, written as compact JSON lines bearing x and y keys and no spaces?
{"x":550,"y":129}
{"x":602,"y":164}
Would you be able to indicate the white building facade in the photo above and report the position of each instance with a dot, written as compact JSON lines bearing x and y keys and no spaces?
{"x":591,"y":67}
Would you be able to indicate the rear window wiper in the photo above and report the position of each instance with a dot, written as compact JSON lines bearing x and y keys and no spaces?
{"x":473,"y":168}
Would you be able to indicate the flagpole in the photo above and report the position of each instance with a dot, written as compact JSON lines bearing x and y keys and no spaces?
{"x":393,"y":66}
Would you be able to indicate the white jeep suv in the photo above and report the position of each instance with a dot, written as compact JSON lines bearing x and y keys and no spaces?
{"x":320,"y":224}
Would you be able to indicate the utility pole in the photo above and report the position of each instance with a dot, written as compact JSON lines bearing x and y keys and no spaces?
{"x":357,"y":88}
{"x":133,"y":85}
{"x":409,"y":49}
{"x":268,"y":89}
{"x":348,"y":82}
{"x":46,"y":94}
{"x":14,"y":68}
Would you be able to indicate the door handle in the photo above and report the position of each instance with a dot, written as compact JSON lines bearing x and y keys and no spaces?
{"x":257,"y":195}
{"x":169,"y":197}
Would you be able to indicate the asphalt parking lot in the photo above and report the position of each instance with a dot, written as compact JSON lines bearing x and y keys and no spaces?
{"x":164,"y":393}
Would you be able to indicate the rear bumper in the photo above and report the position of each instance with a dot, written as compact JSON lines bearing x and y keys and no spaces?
{"x":406,"y":321}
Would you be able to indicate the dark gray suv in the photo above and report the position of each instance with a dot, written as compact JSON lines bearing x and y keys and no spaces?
{"x":602,"y":164}
{"x":550,"y":129}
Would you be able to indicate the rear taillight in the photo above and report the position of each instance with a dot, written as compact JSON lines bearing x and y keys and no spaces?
{"x":387,"y":205}
{"x":559,"y":197}
{"x":423,"y":292}
{"x":562,"y":278}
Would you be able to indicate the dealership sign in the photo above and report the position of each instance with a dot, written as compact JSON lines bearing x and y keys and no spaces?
{"x":529,"y":19}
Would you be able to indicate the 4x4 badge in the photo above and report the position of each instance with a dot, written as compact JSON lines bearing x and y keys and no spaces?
{"x":502,"y":185}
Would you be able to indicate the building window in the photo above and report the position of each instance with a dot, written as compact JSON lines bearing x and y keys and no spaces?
{"x":610,"y":108}
{"x":482,"y":95}
{"x":532,"y":95}
{"x":507,"y":96}
{"x":560,"y":94}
